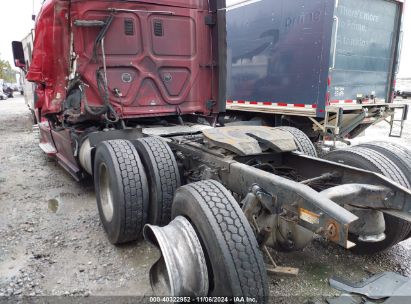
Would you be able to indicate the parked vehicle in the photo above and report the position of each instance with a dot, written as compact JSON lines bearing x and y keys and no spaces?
{"x":133,"y":93}
{"x":326,"y":67}
{"x":27,"y":88}
{"x":3,"y":96}
{"x":403,"y":94}
{"x":8,"y":90}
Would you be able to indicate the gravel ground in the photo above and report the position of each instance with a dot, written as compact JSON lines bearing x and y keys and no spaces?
{"x":52,"y":243}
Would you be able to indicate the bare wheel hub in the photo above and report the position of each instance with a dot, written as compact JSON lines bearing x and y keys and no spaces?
{"x":181,"y":270}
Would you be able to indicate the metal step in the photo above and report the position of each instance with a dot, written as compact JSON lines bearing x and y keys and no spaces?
{"x":397,"y":125}
{"x":48,"y":149}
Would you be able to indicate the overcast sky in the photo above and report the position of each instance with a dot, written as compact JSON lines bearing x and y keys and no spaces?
{"x":15,"y":24}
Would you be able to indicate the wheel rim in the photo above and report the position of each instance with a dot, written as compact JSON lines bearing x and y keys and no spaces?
{"x":106,"y":196}
{"x":181,"y":269}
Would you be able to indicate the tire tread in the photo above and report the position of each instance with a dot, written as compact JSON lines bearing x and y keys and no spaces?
{"x":302,"y":141}
{"x":135,"y":216}
{"x":398,"y":154}
{"x":386,"y":167}
{"x":165,"y":169}
{"x":240,"y":241}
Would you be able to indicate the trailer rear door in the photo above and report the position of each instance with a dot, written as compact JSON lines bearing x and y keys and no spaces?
{"x":278,"y":55}
{"x":365,"y":40}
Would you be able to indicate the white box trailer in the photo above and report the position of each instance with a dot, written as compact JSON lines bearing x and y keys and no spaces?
{"x":28,"y":87}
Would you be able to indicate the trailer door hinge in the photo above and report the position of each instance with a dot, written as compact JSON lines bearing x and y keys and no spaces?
{"x":210,"y":20}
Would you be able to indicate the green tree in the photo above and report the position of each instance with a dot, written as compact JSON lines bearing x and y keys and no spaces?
{"x":6,"y":71}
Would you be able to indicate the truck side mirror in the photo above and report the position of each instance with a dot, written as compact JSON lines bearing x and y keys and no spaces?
{"x":18,"y":54}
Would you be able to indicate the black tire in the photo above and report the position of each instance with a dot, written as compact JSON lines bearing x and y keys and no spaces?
{"x":163,"y":177}
{"x":302,"y":141}
{"x":236,"y":265}
{"x":398,"y":154}
{"x":360,"y":157}
{"x":119,"y":175}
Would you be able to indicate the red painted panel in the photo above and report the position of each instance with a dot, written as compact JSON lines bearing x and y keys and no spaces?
{"x":148,"y":95}
{"x":122,"y":79}
{"x":130,"y":44}
{"x":182,"y":51}
{"x":200,"y":4}
{"x":174,"y":29}
{"x":49,"y":66}
{"x":164,"y":72}
{"x":174,"y":79}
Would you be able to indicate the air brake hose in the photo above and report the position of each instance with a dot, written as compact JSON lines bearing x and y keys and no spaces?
{"x":103,"y":91}
{"x":78,"y":83}
{"x":102,"y":34}
{"x":104,"y":95}
{"x":116,"y":117}
{"x":102,"y":85}
{"x":92,"y":112}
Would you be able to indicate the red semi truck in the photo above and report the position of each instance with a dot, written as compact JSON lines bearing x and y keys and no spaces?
{"x":133,"y":95}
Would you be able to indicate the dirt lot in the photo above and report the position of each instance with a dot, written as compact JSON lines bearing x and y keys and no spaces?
{"x":52,"y":243}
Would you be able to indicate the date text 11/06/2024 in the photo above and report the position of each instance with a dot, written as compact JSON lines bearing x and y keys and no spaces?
{"x":202,"y":300}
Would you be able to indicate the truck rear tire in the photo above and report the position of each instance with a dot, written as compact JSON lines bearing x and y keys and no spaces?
{"x":163,"y":177}
{"x":235,"y":264}
{"x":360,"y":157}
{"x":121,"y":190}
{"x":302,"y":141}
{"x":398,"y":154}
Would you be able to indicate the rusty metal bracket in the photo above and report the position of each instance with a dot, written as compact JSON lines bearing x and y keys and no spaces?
{"x":311,"y":209}
{"x":274,"y":268}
